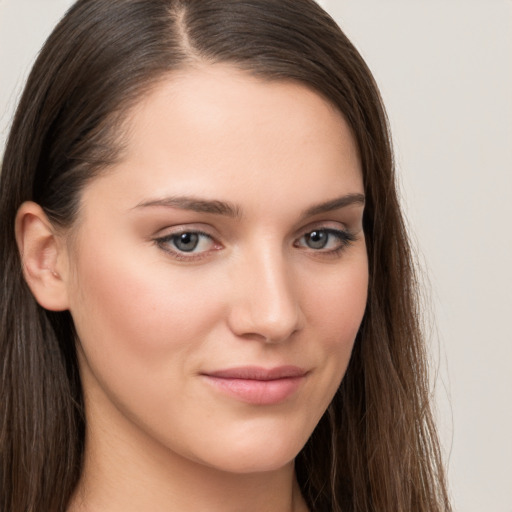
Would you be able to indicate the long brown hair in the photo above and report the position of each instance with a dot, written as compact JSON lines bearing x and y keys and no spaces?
{"x":376,"y":448}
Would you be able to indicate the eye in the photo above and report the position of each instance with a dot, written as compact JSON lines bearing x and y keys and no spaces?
{"x":186,"y":242}
{"x":326,"y":240}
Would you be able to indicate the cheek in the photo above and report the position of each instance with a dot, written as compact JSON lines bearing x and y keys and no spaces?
{"x":334,"y":311}
{"x":136,"y":308}
{"x":142,"y":326}
{"x":337,"y":306}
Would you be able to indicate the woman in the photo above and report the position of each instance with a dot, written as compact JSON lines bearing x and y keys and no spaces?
{"x":208,"y":300}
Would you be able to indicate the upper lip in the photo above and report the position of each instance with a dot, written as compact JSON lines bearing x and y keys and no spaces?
{"x":258,"y":373}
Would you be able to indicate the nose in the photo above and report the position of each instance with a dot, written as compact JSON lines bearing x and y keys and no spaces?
{"x":265,"y":303}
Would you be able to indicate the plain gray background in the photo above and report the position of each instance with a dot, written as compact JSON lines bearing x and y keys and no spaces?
{"x":445,"y":72}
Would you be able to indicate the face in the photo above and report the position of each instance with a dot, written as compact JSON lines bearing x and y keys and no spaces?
{"x":219,"y":271}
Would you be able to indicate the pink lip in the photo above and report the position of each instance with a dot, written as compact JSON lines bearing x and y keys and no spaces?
{"x":256,"y":385}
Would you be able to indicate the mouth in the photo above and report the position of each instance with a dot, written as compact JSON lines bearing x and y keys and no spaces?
{"x":257,"y":385}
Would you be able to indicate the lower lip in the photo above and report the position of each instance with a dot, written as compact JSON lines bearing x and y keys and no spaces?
{"x":257,"y":392}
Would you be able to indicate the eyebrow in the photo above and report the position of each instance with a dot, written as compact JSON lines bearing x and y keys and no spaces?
{"x":196,"y":205}
{"x":228,"y":209}
{"x":335,"y":204}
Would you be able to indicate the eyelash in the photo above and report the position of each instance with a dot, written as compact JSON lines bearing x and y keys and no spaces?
{"x":345,"y":239}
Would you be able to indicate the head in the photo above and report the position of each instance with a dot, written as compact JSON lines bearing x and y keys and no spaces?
{"x":101,"y":84}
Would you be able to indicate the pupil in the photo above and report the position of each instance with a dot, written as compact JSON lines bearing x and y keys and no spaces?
{"x":317,"y":239}
{"x":186,"y":241}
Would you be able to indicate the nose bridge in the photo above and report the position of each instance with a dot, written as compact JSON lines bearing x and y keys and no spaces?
{"x":266,"y":304}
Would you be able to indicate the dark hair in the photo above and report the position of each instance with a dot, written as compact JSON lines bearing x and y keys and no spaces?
{"x":376,"y":448}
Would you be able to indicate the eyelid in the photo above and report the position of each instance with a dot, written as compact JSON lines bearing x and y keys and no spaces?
{"x":184,"y":227}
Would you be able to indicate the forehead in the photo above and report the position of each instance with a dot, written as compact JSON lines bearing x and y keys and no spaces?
{"x":221,"y":133}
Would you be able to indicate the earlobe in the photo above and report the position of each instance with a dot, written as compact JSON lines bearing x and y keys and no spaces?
{"x":43,"y":257}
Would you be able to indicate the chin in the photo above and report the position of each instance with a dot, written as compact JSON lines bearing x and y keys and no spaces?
{"x":255,"y":454}
{"x":250,"y":464}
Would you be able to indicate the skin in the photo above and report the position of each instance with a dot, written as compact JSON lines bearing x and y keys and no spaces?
{"x":153,"y":320}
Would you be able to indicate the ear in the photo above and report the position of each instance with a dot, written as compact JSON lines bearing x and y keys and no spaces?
{"x":43,"y":256}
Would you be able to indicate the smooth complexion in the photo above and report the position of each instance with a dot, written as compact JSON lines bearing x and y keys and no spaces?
{"x":217,"y":277}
